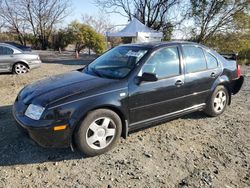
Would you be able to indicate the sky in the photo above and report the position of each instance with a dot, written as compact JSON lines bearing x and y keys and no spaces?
{"x":81,"y":7}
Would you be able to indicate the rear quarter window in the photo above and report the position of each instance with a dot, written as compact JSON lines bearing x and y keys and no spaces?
{"x":212,"y":62}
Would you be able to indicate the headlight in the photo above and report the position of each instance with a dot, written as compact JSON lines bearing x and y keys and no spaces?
{"x":34,"y":112}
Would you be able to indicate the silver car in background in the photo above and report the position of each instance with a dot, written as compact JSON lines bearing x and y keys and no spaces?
{"x":15,"y":60}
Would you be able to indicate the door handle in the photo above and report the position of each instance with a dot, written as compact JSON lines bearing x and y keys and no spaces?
{"x":213,"y":75}
{"x":179,"y":83}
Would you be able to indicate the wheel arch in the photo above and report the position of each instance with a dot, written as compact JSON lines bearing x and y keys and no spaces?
{"x":122,"y":117}
{"x":21,"y":62}
{"x":226,"y":85}
{"x":223,"y":81}
{"x":108,"y":107}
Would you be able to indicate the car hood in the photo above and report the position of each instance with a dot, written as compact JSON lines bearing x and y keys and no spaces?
{"x":49,"y":90}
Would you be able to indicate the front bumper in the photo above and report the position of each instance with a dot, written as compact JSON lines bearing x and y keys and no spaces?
{"x":41,"y":131}
{"x":35,"y":64}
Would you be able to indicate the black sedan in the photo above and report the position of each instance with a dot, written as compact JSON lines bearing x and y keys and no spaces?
{"x":128,"y":88}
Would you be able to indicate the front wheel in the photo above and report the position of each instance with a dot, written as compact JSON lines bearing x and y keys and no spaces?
{"x":99,"y":132}
{"x":218,"y":102}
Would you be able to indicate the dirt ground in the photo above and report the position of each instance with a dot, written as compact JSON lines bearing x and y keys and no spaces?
{"x":192,"y":151}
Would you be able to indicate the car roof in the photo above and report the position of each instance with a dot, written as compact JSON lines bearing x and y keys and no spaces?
{"x":13,"y":43}
{"x":151,"y":45}
{"x":6,"y":44}
{"x":10,"y":46}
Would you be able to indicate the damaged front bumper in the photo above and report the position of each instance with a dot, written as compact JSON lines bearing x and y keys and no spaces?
{"x":41,"y":131}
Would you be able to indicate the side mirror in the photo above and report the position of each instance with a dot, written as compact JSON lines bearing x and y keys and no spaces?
{"x":148,"y":77}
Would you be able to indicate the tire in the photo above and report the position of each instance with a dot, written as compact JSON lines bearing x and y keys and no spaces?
{"x":98,"y":133}
{"x":20,"y":68}
{"x":218,"y":102}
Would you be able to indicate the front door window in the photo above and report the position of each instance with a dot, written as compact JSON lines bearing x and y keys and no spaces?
{"x":164,"y":63}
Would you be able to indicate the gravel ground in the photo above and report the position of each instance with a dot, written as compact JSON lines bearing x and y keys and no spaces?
{"x":192,"y":151}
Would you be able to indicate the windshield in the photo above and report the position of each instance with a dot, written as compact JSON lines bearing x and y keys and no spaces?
{"x":116,"y":63}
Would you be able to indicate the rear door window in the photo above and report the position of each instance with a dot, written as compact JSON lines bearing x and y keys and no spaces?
{"x":5,"y":50}
{"x":195,"y":59}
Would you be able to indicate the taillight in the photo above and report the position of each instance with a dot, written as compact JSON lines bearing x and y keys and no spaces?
{"x":238,"y":71}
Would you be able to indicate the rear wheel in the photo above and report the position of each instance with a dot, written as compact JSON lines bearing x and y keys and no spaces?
{"x":99,"y":132}
{"x":20,"y":68}
{"x":218,"y":102}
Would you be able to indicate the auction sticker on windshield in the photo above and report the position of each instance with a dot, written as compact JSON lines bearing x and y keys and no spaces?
{"x":137,"y":54}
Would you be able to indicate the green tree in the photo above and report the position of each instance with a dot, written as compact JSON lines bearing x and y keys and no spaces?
{"x":232,"y":42}
{"x":61,"y":39}
{"x":242,"y":21}
{"x":86,"y":37}
{"x":168,"y":31}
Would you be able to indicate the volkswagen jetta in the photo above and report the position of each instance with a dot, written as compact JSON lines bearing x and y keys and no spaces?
{"x":127,"y":88}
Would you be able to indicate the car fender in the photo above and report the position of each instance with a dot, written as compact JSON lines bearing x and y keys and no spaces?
{"x":20,"y":61}
{"x":121,"y":113}
{"x":222,"y":80}
{"x":112,"y":102}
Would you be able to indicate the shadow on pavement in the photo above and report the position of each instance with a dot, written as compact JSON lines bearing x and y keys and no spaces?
{"x":195,"y":115}
{"x":18,"y":149}
{"x":6,"y":73}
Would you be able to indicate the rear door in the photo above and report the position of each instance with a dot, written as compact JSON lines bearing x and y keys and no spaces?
{"x":201,"y":71}
{"x":151,"y":100}
{"x":6,"y":58}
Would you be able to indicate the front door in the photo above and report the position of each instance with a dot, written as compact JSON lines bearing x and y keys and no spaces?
{"x":151,"y":100}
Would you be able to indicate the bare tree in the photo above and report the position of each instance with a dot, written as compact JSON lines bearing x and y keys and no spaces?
{"x":10,"y":15}
{"x":97,"y":22}
{"x":153,"y":13}
{"x":1,"y":20}
{"x":2,"y":24}
{"x":36,"y":16}
{"x":214,"y":16}
{"x":43,"y":15}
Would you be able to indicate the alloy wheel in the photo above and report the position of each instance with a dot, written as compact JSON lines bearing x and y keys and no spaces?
{"x":21,"y":69}
{"x":220,"y":101}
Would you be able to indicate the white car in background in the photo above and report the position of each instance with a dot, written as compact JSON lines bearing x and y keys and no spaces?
{"x":15,"y":60}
